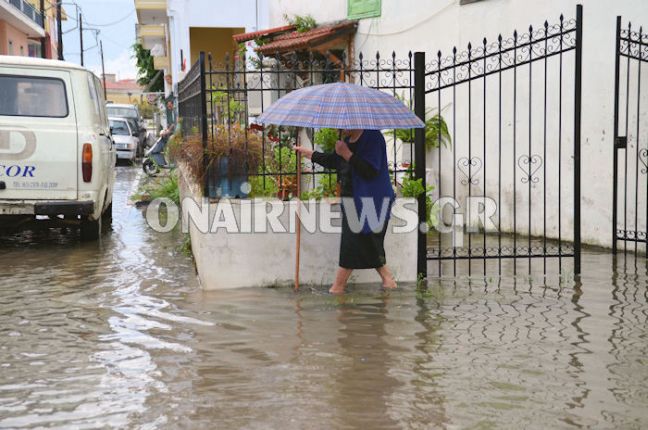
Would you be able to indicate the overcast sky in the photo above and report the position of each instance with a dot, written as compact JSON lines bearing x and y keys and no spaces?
{"x":116,"y":20}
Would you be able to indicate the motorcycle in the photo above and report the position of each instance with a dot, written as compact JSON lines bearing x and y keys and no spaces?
{"x":154,"y":159}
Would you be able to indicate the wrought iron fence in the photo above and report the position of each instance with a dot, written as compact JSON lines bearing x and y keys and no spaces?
{"x":238,"y":89}
{"x":513,"y":136}
{"x":630,"y":164}
{"x":513,"y":106}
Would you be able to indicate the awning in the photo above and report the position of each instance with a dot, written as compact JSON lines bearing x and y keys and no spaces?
{"x":286,"y":39}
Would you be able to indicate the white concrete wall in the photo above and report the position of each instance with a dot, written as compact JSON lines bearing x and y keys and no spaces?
{"x":430,"y":26}
{"x":233,"y":260}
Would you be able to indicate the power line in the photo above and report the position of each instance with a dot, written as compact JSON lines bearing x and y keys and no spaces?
{"x":108,"y":24}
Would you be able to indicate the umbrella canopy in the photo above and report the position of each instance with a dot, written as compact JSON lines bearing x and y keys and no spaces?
{"x":342,"y":106}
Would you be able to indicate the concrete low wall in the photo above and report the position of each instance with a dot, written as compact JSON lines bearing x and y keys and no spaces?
{"x":232,"y":260}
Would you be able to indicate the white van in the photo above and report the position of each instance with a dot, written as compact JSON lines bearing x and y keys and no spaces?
{"x":57,"y":160}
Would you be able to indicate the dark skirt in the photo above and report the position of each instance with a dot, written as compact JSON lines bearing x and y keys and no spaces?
{"x":361,"y":251}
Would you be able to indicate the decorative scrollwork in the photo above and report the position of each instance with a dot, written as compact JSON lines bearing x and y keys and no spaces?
{"x":643,"y":157}
{"x":487,"y":58}
{"x":469,"y":167}
{"x":477,"y":252}
{"x":530,"y":165}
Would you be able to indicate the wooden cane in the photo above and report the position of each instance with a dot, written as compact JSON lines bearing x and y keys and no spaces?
{"x":298,"y":217}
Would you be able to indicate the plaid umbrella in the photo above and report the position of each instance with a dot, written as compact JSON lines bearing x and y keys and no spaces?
{"x":342,"y":106}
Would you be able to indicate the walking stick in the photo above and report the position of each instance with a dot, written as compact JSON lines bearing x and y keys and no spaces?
{"x":298,"y":217}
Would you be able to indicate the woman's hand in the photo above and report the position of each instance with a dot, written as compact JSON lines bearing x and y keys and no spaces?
{"x":342,"y":149}
{"x":308,"y":153}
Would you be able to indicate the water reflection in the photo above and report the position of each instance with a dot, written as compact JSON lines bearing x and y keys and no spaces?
{"x":120,"y":334}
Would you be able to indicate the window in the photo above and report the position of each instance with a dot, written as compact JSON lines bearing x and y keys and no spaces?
{"x":31,"y":96}
{"x":34,"y":50}
{"x":93,"y":95}
{"x":119,"y":128}
{"x":10,"y":48}
{"x":127,"y":112}
{"x":363,"y":9}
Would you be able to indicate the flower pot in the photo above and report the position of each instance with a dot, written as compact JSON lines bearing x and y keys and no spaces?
{"x":224,"y":185}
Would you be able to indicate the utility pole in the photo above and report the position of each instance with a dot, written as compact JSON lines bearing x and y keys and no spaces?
{"x":81,"y":35}
{"x":103,"y":70}
{"x":59,"y":29}
{"x":43,"y":39}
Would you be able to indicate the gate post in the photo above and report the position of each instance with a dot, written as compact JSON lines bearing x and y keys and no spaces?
{"x":203,"y":123}
{"x":615,"y":158}
{"x":419,"y":162}
{"x":577,"y":138}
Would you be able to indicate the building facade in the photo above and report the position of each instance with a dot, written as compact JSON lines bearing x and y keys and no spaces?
{"x":29,"y":28}
{"x":440,"y":25}
{"x":176,"y":31}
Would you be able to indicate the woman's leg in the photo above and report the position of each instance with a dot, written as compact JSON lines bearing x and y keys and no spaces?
{"x":387,"y":277}
{"x":341,"y":277}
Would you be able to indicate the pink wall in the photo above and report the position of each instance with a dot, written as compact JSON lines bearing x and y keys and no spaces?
{"x":9,"y":33}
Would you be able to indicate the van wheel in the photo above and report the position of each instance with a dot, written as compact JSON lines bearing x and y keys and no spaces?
{"x":106,"y":217}
{"x":90,"y":230}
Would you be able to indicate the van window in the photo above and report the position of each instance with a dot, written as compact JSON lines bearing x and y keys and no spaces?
{"x":32,"y":96}
{"x":93,"y":95}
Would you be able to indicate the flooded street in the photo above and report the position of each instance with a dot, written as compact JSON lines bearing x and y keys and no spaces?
{"x":119,"y":334}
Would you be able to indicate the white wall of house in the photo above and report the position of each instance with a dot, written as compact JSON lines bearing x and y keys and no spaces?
{"x":430,"y":26}
{"x":184,"y":14}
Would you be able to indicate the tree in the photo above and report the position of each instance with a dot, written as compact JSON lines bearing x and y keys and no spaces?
{"x":146,"y":72}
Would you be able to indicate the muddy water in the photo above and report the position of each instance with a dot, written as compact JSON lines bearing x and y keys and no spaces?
{"x":119,"y":334}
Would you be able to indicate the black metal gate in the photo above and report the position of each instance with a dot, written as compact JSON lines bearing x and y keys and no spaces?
{"x":512,"y":169}
{"x":630,"y":195}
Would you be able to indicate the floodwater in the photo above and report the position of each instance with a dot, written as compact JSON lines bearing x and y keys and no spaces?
{"x":119,"y":334}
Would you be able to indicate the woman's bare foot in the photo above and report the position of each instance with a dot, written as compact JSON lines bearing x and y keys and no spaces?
{"x":388,"y":281}
{"x":336,"y":289}
{"x":389,"y":284}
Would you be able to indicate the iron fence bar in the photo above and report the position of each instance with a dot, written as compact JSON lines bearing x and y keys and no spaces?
{"x":560,"y":94}
{"x":638,"y":134}
{"x":529,"y":179}
{"x":499,"y":157}
{"x":470,"y":158}
{"x":578,"y":68}
{"x":515,"y":35}
{"x":627,"y":128}
{"x":615,"y":160}
{"x":485,"y":164}
{"x":454,"y":155}
{"x":440,"y":175}
{"x":419,"y":142}
{"x":544,"y":154}
{"x":504,"y":256}
{"x":203,"y":122}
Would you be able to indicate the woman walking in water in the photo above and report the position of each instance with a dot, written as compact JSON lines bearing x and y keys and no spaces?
{"x":361,"y":163}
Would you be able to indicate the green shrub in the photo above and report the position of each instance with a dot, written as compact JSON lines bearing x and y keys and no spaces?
{"x":414,"y":188}
{"x":326,"y":138}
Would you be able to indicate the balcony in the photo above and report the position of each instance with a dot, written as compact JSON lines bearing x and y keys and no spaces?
{"x":151,"y":11}
{"x":23,"y":16}
{"x":161,"y":63}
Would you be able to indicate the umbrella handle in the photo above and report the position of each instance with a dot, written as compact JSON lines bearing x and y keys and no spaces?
{"x":298,"y":217}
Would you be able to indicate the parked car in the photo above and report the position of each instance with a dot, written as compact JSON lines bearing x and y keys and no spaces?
{"x":56,"y":154}
{"x":125,"y":138}
{"x":131,"y":112}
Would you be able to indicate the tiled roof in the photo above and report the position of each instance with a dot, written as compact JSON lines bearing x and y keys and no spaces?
{"x":244,"y":37}
{"x":296,"y":41}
